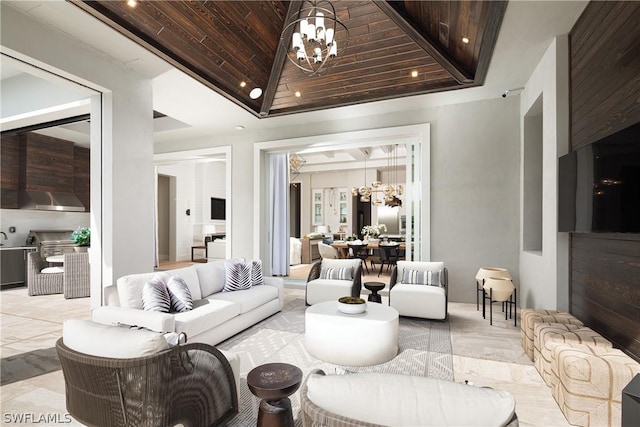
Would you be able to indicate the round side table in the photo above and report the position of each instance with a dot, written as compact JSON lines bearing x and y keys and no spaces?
{"x":274,"y":383}
{"x":374,"y":287}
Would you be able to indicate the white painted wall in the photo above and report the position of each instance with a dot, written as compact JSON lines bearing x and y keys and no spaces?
{"x":544,"y":276}
{"x":211,"y":182}
{"x":184,"y":174}
{"x":475,"y":163}
{"x":122,"y":178}
{"x":475,"y":160}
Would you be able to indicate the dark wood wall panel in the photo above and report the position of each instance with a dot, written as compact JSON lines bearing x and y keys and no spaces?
{"x":605,"y":70}
{"x":605,"y":98}
{"x":605,"y":286}
{"x":82,"y":175}
{"x":49,"y":162}
{"x":9,"y":171}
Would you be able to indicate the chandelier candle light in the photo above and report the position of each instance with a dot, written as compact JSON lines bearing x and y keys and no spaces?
{"x":314,"y":42}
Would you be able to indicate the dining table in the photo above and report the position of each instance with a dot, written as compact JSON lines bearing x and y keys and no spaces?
{"x":343,"y":246}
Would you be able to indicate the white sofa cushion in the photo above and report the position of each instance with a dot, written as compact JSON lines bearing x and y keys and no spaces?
{"x":97,"y":339}
{"x":248,"y":299}
{"x":419,"y":301}
{"x":130,"y":286}
{"x":211,"y":276}
{"x":321,"y":290}
{"x":403,"y":400}
{"x":205,"y":315}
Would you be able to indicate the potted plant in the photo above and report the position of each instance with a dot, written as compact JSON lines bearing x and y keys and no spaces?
{"x":82,"y":238}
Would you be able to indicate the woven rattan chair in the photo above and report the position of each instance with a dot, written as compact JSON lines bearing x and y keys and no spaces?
{"x":41,"y":283}
{"x":76,"y":277}
{"x":191,"y":384}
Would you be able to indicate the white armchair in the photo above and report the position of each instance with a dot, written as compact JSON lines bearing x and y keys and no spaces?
{"x":419,"y":289}
{"x":327,"y":251}
{"x":323,"y":284}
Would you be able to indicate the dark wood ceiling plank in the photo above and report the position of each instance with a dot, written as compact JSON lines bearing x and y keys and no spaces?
{"x":456,"y":70}
{"x":374,"y":72}
{"x":231,"y":43}
{"x":350,"y":98}
{"x":101,"y":11}
{"x":251,"y":35}
{"x":380,"y":79}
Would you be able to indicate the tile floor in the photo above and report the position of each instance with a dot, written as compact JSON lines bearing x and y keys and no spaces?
{"x":482,"y":354}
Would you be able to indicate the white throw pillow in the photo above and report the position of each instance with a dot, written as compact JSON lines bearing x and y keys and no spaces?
{"x":97,"y":339}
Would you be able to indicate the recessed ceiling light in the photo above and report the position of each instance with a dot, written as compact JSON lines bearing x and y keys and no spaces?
{"x":298,"y":94}
{"x":255,"y":93}
{"x":414,"y":73}
{"x":239,"y":127}
{"x":243,"y":84}
{"x":132,"y":3}
{"x":465,"y":40}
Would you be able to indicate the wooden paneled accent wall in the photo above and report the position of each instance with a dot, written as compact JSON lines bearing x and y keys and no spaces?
{"x":48,"y":161}
{"x":82,"y":175}
{"x":9,"y":171}
{"x":605,"y":286}
{"x":605,"y":70}
{"x":605,"y":88}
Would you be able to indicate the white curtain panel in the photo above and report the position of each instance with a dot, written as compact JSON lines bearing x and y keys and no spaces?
{"x":278,"y":212}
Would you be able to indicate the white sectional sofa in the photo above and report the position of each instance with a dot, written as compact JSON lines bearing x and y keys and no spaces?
{"x":216,"y":315}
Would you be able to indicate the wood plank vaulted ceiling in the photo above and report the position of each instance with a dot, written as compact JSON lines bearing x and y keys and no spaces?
{"x":224,"y":43}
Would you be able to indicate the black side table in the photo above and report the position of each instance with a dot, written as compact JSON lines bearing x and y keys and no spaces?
{"x":374,"y":287}
{"x":274,"y":383}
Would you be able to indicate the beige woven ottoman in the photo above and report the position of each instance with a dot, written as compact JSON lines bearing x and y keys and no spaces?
{"x":547,"y":335}
{"x":589,"y":383}
{"x":529,"y":317}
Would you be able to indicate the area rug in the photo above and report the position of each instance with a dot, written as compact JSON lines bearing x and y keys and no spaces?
{"x":425,"y":350}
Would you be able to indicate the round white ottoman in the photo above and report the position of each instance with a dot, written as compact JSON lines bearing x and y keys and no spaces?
{"x":363,"y":339}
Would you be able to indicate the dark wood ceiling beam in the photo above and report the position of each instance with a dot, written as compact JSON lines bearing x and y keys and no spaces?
{"x":489,"y":38}
{"x":447,"y":62}
{"x":278,"y":60}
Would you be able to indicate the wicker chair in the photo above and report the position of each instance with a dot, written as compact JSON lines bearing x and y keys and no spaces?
{"x":77,"y":275}
{"x":41,"y":283}
{"x":190,"y":384}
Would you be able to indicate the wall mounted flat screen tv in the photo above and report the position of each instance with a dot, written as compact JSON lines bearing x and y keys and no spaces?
{"x":599,"y":186}
{"x":218,"y":208}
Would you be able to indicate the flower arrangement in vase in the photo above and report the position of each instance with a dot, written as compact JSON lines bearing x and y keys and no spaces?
{"x":372,"y":232}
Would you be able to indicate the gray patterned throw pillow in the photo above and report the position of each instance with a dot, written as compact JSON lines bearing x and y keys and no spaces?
{"x":238,"y":276}
{"x":256,"y":273}
{"x":155,"y":296}
{"x":181,"y":299}
{"x":414,"y":277}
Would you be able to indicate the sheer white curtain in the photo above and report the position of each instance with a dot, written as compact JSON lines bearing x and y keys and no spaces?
{"x":278,"y":213}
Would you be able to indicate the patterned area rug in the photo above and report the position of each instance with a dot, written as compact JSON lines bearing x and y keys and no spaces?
{"x":425,"y":350}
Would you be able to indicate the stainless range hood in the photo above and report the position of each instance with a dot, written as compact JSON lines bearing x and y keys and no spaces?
{"x":50,"y":201}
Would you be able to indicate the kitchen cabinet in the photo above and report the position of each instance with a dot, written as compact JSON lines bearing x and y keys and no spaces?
{"x":13,"y":266}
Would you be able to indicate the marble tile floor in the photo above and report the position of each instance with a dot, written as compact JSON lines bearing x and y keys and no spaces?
{"x":482,"y":354}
